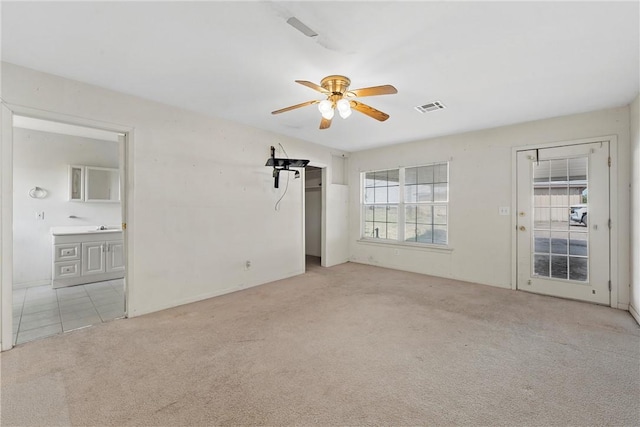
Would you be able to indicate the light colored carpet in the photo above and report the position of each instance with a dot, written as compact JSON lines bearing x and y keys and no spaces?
{"x":347,"y":345}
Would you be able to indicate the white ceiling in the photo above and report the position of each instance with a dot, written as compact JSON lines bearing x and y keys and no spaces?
{"x":490,"y":63}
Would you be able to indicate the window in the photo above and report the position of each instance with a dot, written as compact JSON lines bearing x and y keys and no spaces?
{"x":382,"y":195}
{"x":407,"y":204}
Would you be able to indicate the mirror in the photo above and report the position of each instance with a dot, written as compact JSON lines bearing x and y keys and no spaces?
{"x":94,"y":184}
{"x":102,"y":184}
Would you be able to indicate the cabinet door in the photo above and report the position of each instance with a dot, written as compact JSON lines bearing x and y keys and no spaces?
{"x":93,"y":259}
{"x":115,"y":256}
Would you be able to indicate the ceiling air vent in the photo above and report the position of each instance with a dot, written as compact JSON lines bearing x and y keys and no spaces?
{"x":430,"y":106}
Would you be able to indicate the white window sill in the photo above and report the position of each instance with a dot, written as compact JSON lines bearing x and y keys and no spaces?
{"x":406,"y":245}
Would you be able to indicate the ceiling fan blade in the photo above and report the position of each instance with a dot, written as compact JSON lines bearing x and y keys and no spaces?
{"x":325,"y":123}
{"x":369,"y":111}
{"x":371,"y":91}
{"x":293,"y":107}
{"x":313,"y":86}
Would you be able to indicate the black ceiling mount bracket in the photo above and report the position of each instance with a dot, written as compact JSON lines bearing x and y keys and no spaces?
{"x":280,"y":164}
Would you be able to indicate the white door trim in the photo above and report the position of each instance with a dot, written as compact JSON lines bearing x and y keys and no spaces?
{"x":6,"y":230}
{"x":6,"y":201}
{"x":613,"y":206}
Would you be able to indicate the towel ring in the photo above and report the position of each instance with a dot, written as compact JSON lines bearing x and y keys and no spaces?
{"x":38,"y":193}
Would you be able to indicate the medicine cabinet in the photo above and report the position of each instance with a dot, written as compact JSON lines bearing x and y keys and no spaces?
{"x":94,"y":184}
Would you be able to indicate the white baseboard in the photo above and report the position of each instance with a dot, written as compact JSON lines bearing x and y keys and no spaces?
{"x":634,"y":313}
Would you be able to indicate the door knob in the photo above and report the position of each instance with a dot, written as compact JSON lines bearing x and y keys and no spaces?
{"x":522,"y":228}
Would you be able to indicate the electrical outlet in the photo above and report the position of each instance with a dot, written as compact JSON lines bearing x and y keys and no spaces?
{"x":503,"y":210}
{"x":247,"y":265}
{"x":40,"y":215}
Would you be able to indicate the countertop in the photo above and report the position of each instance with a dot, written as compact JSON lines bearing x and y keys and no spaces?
{"x":84,"y":229}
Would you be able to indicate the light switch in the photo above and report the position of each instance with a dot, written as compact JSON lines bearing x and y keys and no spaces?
{"x":503,"y":210}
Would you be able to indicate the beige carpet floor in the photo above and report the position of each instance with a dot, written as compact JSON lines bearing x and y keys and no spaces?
{"x":347,"y":345}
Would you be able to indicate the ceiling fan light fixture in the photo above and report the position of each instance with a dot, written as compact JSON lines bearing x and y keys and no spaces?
{"x":328,"y":114}
{"x":344,"y":108}
{"x":326,"y":108}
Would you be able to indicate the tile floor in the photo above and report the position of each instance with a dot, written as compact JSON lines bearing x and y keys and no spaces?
{"x":41,"y":311}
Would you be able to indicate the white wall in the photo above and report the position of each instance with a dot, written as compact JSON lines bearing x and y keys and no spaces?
{"x":481,"y":181}
{"x":634,"y":305}
{"x":42,"y":159}
{"x":203,"y":201}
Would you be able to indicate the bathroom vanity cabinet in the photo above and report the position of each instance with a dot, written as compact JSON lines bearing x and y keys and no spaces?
{"x":85,"y":255}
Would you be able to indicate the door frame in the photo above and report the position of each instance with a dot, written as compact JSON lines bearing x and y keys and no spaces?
{"x":125,"y":164}
{"x":613,"y":206}
{"x":323,"y":218}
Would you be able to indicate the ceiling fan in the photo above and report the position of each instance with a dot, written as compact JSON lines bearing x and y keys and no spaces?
{"x":336,"y":88}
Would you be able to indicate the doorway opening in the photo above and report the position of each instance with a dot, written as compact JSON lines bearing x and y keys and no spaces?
{"x":313,"y":217}
{"x":68,"y":252}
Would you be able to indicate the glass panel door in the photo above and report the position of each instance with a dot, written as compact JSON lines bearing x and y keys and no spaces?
{"x":563,"y":214}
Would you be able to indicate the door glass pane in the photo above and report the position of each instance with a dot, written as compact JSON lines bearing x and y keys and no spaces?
{"x":559,"y":242}
{"x":578,"y":269}
{"x":541,"y":265}
{"x":541,"y":197}
{"x":542,"y":218}
{"x":578,"y":170}
{"x":558,"y":171}
{"x":559,"y":267}
{"x":541,"y":171}
{"x":578,"y":244}
{"x":560,"y":197}
{"x":560,"y":238}
{"x":541,"y":241}
{"x":560,"y":218}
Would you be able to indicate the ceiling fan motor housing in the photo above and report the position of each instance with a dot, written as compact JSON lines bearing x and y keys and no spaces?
{"x":336,"y":84}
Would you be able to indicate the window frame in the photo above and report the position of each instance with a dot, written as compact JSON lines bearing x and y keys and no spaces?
{"x":401,"y":208}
